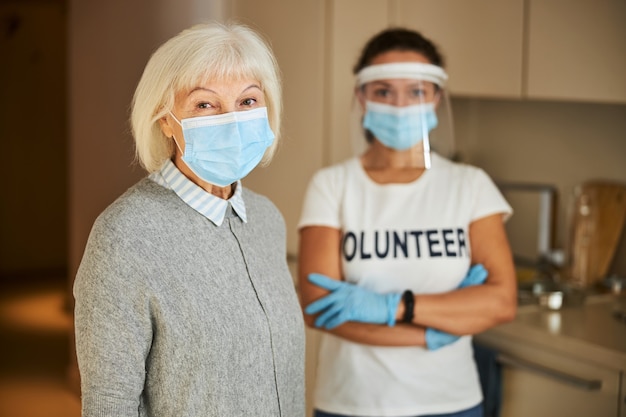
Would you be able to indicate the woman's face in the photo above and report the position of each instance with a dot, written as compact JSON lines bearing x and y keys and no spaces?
{"x":398,"y":92}
{"x":208,"y":99}
{"x":211,"y":98}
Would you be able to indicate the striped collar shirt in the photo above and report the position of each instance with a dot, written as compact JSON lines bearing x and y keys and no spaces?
{"x":210,"y":206}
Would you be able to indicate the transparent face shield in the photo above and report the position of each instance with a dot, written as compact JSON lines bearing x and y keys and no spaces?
{"x":404,"y":107}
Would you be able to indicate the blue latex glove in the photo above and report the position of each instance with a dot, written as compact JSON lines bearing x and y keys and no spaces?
{"x":475,"y":276}
{"x":436,"y":339}
{"x":349,"y":302}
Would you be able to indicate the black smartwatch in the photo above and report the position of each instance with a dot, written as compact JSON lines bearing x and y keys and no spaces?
{"x":409,"y":304}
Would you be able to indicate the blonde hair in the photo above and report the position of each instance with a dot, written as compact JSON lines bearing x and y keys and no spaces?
{"x":203,"y":52}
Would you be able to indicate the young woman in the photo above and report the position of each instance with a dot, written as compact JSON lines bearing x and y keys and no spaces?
{"x":403,"y":253}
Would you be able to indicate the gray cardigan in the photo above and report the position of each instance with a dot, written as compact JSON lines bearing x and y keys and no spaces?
{"x":176,"y":316}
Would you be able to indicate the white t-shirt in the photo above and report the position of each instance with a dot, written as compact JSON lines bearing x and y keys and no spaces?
{"x":397,"y":237}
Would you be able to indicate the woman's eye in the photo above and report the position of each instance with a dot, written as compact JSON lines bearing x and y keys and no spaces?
{"x":203,"y":105}
{"x":418,"y":92}
{"x":382,"y":92}
{"x":248,"y":102}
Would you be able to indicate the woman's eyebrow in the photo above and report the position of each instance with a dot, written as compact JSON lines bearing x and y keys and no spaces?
{"x":252,"y":86}
{"x":193,"y":90}
{"x":215,"y":92}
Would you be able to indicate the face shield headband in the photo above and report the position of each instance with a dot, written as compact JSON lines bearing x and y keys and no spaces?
{"x":400,"y":131}
{"x":403,"y":70}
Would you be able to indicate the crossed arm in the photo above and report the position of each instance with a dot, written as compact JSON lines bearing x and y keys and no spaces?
{"x":469,"y":310}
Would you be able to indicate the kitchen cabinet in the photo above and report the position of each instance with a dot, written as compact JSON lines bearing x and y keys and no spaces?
{"x":536,"y":49}
{"x":569,"y":362}
{"x":540,"y":383}
{"x":577,"y":50}
{"x":481,"y":41}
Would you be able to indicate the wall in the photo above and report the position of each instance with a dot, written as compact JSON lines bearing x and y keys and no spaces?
{"x":33,"y":223}
{"x":558,"y":143}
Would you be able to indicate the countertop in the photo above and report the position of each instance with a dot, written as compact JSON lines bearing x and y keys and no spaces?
{"x":589,"y":332}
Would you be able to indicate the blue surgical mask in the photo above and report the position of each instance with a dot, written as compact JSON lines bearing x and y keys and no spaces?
{"x":224,"y":148}
{"x":399,"y":128}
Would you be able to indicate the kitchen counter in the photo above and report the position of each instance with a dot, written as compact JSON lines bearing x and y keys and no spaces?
{"x":589,"y":332}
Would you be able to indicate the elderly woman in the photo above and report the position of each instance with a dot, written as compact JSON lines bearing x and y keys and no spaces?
{"x":184,"y":302}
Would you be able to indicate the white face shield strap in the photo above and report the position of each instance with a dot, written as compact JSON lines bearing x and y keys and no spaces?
{"x":442,"y":138}
{"x":403,"y":70}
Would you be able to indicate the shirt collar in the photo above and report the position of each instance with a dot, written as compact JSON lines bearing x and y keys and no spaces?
{"x":207,"y":204}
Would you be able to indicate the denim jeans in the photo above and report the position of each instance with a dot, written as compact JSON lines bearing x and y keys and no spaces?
{"x":476,"y":411}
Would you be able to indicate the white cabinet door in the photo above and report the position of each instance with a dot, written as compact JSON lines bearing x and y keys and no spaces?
{"x":539,"y":49}
{"x":528,"y":393}
{"x":541,"y":383}
{"x":577,"y":50}
{"x":482,"y":41}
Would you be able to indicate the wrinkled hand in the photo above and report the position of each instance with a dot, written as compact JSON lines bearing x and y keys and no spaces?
{"x":349,"y":302}
{"x":475,"y":276}
{"x":436,"y":339}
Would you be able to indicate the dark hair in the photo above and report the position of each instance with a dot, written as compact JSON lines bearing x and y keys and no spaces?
{"x":398,"y":39}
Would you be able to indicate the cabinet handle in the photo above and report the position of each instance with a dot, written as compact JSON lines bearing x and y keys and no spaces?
{"x":585,"y":384}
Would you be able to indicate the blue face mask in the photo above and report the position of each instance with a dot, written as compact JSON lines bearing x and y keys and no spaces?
{"x":399,"y":128}
{"x":224,"y":148}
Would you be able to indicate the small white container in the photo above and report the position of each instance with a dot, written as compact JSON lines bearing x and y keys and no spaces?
{"x":552,"y":300}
